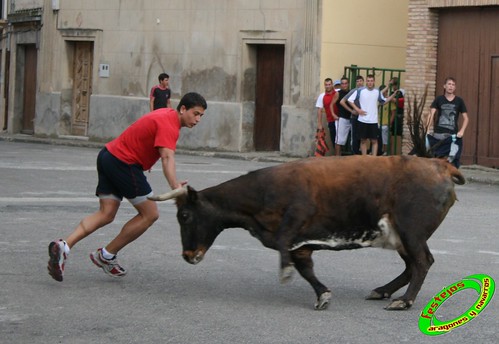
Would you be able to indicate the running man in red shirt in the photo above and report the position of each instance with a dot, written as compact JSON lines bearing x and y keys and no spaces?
{"x":120,"y":166}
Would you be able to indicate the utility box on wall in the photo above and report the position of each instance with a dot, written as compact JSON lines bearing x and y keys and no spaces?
{"x":104,"y":70}
{"x":55,"y":5}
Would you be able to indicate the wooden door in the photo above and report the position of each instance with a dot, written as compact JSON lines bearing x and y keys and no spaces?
{"x":82,"y":87}
{"x":488,"y":146}
{"x":488,"y":103}
{"x":29,"y":89}
{"x":468,"y":48}
{"x":268,"y":97}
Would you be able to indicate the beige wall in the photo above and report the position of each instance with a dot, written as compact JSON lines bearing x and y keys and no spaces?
{"x":363,"y":32}
{"x":197,"y":42}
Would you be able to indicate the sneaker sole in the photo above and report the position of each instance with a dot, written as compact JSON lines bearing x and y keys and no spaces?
{"x":53,"y":266}
{"x":100,"y":265}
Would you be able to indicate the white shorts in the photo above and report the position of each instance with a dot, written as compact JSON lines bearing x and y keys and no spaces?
{"x":343,"y":127}
{"x":384,"y":134}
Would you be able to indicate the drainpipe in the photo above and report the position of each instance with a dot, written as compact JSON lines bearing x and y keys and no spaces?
{"x":9,"y":33}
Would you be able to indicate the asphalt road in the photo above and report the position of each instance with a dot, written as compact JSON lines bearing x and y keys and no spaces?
{"x":233,"y":296}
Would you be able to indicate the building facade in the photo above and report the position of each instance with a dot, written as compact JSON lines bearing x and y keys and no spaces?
{"x":85,"y":68}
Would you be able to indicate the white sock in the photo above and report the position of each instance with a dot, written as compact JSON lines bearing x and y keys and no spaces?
{"x":106,"y":254}
{"x":66,"y":247}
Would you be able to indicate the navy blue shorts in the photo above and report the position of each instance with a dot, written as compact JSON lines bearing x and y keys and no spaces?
{"x":120,"y":179}
{"x":367,"y":131}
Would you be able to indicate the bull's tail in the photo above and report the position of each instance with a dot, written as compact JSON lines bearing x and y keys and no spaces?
{"x":455,"y":174}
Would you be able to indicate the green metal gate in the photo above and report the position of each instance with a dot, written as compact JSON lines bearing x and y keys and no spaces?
{"x":382,"y":77}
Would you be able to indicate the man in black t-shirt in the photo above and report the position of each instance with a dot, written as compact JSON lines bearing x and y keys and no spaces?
{"x":160,"y":94}
{"x":444,"y":115}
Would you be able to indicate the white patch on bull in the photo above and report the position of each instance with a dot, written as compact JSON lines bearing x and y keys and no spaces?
{"x":389,"y":238}
{"x":384,"y":237}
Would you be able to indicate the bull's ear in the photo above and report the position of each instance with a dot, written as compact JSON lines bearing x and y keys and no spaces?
{"x":192,"y":195}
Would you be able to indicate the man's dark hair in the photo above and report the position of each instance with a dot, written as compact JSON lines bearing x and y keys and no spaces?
{"x":192,"y":99}
{"x":163,"y":76}
{"x":328,"y":80}
{"x":449,"y":78}
{"x":359,"y":77}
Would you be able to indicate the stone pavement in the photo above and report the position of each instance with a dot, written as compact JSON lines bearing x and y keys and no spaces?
{"x":472,"y":173}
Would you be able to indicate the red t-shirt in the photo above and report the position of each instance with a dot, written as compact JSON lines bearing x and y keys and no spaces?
{"x":328,"y":98}
{"x":139,"y":143}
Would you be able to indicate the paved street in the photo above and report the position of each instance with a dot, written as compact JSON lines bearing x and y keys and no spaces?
{"x":234,"y":295}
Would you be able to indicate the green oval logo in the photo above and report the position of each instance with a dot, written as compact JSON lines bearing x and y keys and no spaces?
{"x":431,"y":326}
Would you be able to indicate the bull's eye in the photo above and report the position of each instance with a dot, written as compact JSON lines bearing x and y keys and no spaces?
{"x":183,"y":216}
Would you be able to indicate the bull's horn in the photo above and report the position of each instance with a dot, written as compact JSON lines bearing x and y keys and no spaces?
{"x":169,"y":195}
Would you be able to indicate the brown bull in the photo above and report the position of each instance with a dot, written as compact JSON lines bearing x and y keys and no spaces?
{"x":329,"y":203}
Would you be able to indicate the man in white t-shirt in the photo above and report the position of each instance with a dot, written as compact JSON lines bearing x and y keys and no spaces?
{"x":368,"y":127}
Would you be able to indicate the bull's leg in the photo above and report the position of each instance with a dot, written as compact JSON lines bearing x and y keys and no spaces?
{"x":420,"y":260}
{"x":302,"y":259}
{"x":286,"y":271}
{"x":387,"y":290}
{"x":284,"y":238}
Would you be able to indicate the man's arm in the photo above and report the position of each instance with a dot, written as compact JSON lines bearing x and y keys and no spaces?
{"x":319,"y":118}
{"x":429,"y":120}
{"x":460,"y":133}
{"x":151,"y":103}
{"x":168,"y":165}
{"x":359,"y":111}
{"x":343,"y":102}
{"x":168,"y":103}
{"x":390,"y":98}
{"x":331,"y":106}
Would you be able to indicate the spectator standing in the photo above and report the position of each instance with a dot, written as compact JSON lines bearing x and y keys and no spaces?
{"x":337,"y":85}
{"x":384,"y":120}
{"x":368,"y":98}
{"x":396,"y":118}
{"x":444,"y":115}
{"x":160,"y":94}
{"x":326,"y":104}
{"x":359,"y":83}
{"x":343,"y":124}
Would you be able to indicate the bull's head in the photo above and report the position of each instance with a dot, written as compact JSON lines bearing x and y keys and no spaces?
{"x":197,"y":219}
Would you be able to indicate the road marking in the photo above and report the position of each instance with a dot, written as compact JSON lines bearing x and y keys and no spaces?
{"x":489,"y":252}
{"x":11,"y":200}
{"x":433,"y":251}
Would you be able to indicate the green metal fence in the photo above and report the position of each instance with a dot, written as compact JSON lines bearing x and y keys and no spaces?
{"x":383,"y":77}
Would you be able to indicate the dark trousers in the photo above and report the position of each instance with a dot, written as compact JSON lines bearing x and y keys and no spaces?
{"x":332,"y":132}
{"x":355,"y":136}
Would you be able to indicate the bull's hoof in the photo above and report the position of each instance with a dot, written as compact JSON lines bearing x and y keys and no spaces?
{"x":286,"y":274}
{"x":377,"y":296}
{"x":399,"y":305}
{"x":323,"y":301}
